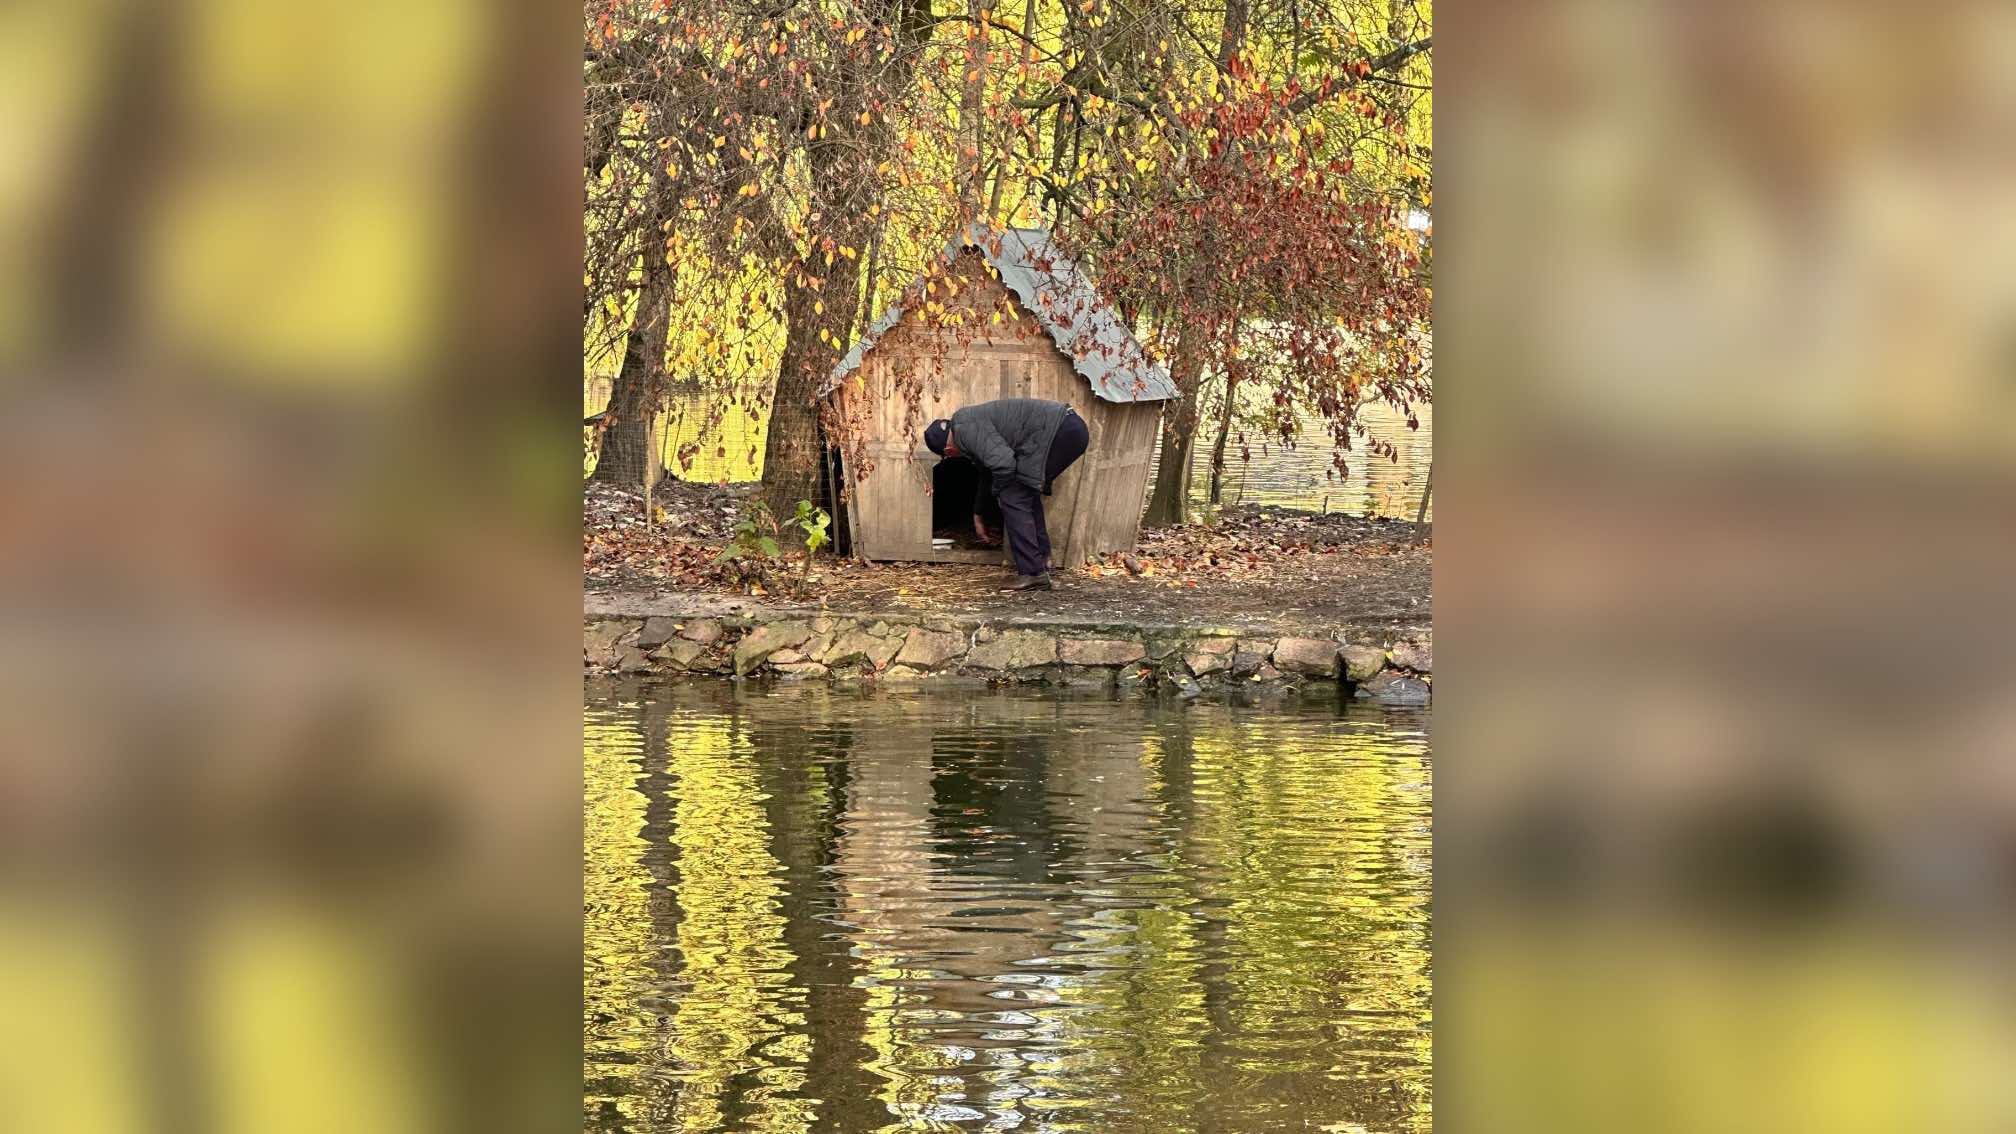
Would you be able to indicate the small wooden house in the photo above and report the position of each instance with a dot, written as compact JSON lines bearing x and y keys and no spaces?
{"x":1057,"y":338}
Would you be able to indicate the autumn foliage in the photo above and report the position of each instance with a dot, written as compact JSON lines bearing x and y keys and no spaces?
{"x":1248,"y":182}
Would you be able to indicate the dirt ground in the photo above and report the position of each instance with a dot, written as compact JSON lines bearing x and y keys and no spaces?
{"x":1251,"y":565}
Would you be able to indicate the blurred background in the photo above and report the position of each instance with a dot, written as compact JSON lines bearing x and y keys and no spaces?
{"x":1727,"y":352}
{"x":1727,"y":414}
{"x":288,"y":600}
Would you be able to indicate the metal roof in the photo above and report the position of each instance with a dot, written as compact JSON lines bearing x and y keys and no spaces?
{"x":1083,"y":324}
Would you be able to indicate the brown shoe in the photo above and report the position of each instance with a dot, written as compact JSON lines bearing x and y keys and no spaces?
{"x":1029,"y":583}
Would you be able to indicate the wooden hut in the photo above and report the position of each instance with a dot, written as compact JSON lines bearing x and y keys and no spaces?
{"x":1055,"y":338}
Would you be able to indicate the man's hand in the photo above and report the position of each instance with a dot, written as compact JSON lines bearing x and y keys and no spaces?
{"x":980,"y":529}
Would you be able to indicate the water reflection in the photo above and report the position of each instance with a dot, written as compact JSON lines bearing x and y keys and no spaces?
{"x":809,"y":910}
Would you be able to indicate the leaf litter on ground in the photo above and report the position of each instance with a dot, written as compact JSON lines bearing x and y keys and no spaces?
{"x":1256,"y":562}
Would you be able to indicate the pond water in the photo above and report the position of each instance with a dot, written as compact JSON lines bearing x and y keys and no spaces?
{"x":815,"y":910}
{"x":1301,"y":476}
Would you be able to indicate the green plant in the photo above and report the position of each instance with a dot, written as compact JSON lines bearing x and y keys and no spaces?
{"x":752,"y":540}
{"x":813,"y":522}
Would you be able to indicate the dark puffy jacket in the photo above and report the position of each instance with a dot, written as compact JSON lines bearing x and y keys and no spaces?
{"x":1010,"y":438}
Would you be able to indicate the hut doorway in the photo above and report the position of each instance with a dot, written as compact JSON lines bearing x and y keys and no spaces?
{"x":955,"y":489}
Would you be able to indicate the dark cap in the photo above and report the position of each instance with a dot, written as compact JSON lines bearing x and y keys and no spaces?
{"x":934,"y":435}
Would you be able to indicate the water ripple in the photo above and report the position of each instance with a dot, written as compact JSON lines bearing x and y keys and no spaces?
{"x":812,"y":912}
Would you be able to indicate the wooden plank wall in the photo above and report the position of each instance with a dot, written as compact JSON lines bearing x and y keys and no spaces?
{"x":1122,"y":473}
{"x":1095,"y":507}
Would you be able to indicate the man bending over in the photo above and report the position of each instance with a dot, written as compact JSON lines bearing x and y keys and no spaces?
{"x":1024,"y":444}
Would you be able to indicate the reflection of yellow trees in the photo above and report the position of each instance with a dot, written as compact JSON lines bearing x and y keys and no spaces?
{"x":908,"y":1095}
{"x":1310,"y":840}
{"x":1266,"y":966}
{"x":737,"y":997}
{"x":617,"y":926}
{"x":1144,"y":1023}
{"x":1293,"y":861}
{"x":736,"y":1034}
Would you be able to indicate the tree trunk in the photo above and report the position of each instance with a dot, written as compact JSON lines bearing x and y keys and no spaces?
{"x":1421,"y":513}
{"x":1232,"y":32}
{"x":630,"y":446}
{"x":822,"y":290}
{"x":796,"y":446}
{"x":1166,"y":506}
{"x":626,"y":444}
{"x":1218,"y":446}
{"x":92,"y":272}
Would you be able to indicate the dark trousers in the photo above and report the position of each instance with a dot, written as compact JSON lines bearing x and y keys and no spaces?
{"x":1022,"y":506}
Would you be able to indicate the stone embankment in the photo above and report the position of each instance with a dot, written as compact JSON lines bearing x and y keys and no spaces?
{"x":693,"y":635}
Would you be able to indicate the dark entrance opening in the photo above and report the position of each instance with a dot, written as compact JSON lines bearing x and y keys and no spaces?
{"x":955,"y":484}
{"x":832,"y":485}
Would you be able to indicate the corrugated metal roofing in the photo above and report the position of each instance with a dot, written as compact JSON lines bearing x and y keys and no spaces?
{"x":1080,"y":321}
